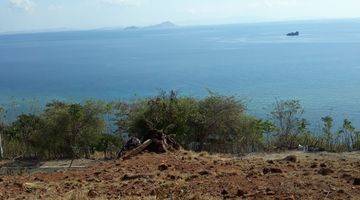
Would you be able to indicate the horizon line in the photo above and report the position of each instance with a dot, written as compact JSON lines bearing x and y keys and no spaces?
{"x":67,"y":29}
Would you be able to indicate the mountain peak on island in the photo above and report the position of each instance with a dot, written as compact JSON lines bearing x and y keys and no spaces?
{"x":166,"y":24}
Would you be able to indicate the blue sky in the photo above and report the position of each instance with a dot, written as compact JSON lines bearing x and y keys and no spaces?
{"x":24,"y":15}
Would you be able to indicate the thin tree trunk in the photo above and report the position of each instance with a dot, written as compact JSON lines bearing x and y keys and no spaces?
{"x":72,"y":160}
{"x":1,"y":147}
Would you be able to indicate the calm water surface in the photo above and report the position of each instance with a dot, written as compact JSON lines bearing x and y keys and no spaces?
{"x":254,"y":61}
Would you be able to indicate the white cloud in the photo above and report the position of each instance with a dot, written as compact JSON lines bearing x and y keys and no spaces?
{"x":123,"y":2}
{"x":26,"y":5}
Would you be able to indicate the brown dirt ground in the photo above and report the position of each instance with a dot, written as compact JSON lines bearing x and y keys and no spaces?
{"x":188,"y":175}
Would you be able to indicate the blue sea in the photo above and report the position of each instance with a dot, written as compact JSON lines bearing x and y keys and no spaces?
{"x":256,"y":62}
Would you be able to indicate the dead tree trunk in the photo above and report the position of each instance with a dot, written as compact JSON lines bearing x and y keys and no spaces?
{"x":161,"y":142}
{"x":155,"y":141}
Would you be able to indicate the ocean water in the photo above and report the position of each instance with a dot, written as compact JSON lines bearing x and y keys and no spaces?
{"x":257,"y":62}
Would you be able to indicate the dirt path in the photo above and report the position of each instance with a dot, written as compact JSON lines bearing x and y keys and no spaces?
{"x":188,"y":175}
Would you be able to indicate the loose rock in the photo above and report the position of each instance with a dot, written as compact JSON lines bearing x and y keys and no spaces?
{"x":92,"y":193}
{"x":356,"y":181}
{"x":240,"y":193}
{"x":204,"y":172}
{"x":271,"y":170}
{"x":163,"y":167}
{"x":290,"y":158}
{"x":325,"y":171}
{"x":224,"y":192}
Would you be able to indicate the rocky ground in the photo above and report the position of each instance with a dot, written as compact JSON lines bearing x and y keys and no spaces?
{"x":188,"y":175}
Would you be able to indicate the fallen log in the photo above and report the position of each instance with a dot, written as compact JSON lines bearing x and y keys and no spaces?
{"x":137,"y":150}
{"x":161,"y":142}
{"x":155,"y":141}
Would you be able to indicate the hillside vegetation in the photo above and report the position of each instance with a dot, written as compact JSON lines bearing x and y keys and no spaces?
{"x":215,"y":123}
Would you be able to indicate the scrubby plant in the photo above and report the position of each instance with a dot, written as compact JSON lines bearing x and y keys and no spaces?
{"x":286,"y":116}
{"x":327,"y":132}
{"x":347,"y":134}
{"x":214,"y":123}
{"x":108,"y":144}
{"x":26,"y":130}
{"x":2,"y":129}
{"x":74,"y":129}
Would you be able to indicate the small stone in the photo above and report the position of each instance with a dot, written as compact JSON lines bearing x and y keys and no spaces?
{"x":325,"y":171}
{"x":92,"y":193}
{"x":163,"y":167}
{"x":356,"y":181}
{"x":341,"y":191}
{"x":347,"y":177}
{"x":306,"y":173}
{"x":191,"y":177}
{"x":270,"y":161}
{"x":314,"y":165}
{"x":97,"y":173}
{"x":17,"y":184}
{"x":291,"y":158}
{"x":204,"y":172}
{"x":36,"y":179}
{"x":240,"y":193}
{"x":322,"y":165}
{"x":272,"y":170}
{"x":224,"y":192}
{"x":269,"y":191}
{"x":172,"y":177}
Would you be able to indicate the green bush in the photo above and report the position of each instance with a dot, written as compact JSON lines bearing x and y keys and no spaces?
{"x":214,"y":123}
{"x":286,"y":116}
{"x":63,"y":130}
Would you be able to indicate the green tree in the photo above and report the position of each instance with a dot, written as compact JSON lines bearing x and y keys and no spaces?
{"x":167,"y":112}
{"x":217,"y":122}
{"x":25,"y":130}
{"x":74,"y":129}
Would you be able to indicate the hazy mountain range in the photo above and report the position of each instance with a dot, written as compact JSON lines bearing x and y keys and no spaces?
{"x":163,"y":25}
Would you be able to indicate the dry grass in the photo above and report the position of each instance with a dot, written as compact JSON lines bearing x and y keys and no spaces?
{"x":190,"y":175}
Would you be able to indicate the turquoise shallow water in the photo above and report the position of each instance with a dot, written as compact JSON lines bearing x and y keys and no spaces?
{"x":255,"y":61}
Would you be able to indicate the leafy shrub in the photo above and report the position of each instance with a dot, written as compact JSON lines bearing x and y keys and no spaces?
{"x":63,"y":130}
{"x":214,"y":123}
{"x":286,"y":116}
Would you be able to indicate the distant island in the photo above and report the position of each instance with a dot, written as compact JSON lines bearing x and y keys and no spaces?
{"x":293,"y":33}
{"x":163,"y":25}
{"x":131,"y":28}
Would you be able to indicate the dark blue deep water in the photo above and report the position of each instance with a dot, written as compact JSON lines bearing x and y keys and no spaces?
{"x":258,"y":62}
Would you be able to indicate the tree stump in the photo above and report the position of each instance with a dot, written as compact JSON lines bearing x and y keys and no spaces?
{"x":155,"y":141}
{"x":132,"y":143}
{"x":161,"y":142}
